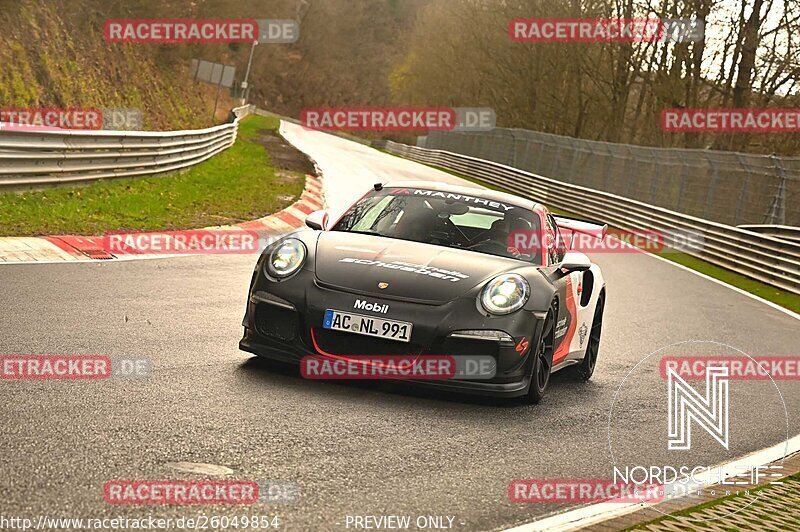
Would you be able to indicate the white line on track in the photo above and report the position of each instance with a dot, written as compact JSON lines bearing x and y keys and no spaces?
{"x":597,"y":513}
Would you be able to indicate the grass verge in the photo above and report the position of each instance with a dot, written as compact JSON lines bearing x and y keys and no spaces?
{"x":770,"y":293}
{"x":239,"y":184}
{"x":716,"y":502}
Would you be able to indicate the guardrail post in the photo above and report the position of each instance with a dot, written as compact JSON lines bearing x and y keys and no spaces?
{"x":524,"y":153}
{"x":711,"y":187}
{"x":555,"y":162}
{"x":607,"y":172}
{"x":573,"y":162}
{"x":777,"y":213}
{"x":630,"y":164}
{"x":513,"y":148}
{"x":654,"y":184}
{"x":682,"y":189}
{"x":591,"y":158}
{"x":745,"y":190}
{"x":540,"y":158}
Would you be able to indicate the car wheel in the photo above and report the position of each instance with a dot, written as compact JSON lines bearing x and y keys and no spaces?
{"x":583,"y":371}
{"x":542,"y":362}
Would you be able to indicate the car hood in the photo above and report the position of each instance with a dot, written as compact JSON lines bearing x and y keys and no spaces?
{"x":410,"y":270}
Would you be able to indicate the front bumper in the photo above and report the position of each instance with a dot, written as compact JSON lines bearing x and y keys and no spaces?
{"x":283,"y":322}
{"x":483,"y":388}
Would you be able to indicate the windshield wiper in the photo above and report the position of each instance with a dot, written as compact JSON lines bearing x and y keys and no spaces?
{"x":364,"y":232}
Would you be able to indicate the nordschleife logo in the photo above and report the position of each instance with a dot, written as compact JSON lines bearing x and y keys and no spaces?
{"x":686,"y":405}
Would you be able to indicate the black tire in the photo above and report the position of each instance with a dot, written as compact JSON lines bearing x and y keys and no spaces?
{"x":583,"y":372}
{"x":542,"y":363}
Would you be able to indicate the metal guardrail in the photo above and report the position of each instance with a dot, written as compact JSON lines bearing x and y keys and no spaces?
{"x":35,"y":157}
{"x":784,"y":232}
{"x":762,"y":257}
{"x":726,"y":187}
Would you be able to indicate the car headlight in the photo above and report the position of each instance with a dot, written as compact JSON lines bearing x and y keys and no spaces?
{"x":286,"y":258}
{"x":505,"y":293}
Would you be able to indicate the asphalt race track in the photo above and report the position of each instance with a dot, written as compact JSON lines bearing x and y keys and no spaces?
{"x":354,"y":449}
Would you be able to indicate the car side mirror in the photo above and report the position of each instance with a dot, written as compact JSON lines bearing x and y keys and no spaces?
{"x":575,"y":261}
{"x":317,"y":220}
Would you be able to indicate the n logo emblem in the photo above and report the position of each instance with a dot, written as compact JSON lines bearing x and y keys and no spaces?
{"x":686,"y":404}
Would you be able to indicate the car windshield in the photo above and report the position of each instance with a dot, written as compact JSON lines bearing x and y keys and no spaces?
{"x":446,"y":219}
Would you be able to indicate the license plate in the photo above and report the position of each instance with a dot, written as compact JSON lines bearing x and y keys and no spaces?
{"x":367,"y":325}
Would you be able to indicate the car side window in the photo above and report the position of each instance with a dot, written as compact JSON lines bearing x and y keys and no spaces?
{"x":556,"y":248}
{"x":550,"y":238}
{"x":561,"y":243}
